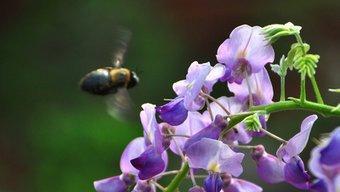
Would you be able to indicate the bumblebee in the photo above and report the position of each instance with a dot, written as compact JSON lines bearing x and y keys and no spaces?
{"x":108,"y":80}
{"x":113,"y":80}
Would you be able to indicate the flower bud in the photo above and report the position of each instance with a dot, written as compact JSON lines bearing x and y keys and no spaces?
{"x":269,"y":168}
{"x":252,"y":123}
{"x":275,"y":31}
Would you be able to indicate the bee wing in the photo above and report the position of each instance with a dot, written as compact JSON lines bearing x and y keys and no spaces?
{"x":120,"y":47}
{"x":119,"y":105}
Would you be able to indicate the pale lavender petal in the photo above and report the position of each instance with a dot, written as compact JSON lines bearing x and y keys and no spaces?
{"x":260,"y":85}
{"x":269,"y":168}
{"x":192,"y":125}
{"x":298,"y":142}
{"x":180,"y":87}
{"x":134,"y":149}
{"x":240,"y":185}
{"x":174,"y":112}
{"x":196,"y":79}
{"x":112,"y":184}
{"x":217,"y":72}
{"x":296,"y":174}
{"x":218,"y":157}
{"x":259,"y":51}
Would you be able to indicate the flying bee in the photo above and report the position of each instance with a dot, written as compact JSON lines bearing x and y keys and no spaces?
{"x":113,"y":80}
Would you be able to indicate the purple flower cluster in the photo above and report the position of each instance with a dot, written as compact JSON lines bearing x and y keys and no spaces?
{"x":198,"y":131}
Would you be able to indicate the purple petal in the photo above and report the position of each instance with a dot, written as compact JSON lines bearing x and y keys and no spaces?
{"x":134,"y":149}
{"x":269,"y":168}
{"x":218,"y":157}
{"x":330,"y":155}
{"x":261,"y":88}
{"x":112,"y":184}
{"x":324,"y":162}
{"x":212,"y":131}
{"x":296,"y":174}
{"x":239,"y":185}
{"x":174,"y":112}
{"x":190,"y":126}
{"x":319,"y":186}
{"x":213,"y":183}
{"x":150,"y":163}
{"x":296,"y":144}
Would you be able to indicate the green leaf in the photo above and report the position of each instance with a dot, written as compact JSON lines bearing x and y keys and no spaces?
{"x":307,"y":64}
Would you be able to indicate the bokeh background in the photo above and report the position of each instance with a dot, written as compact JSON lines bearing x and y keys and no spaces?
{"x":53,"y":137}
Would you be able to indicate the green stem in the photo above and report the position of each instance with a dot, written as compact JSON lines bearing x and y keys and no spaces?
{"x":178,"y":178}
{"x":294,"y":104}
{"x":299,"y":40}
{"x":303,"y":88}
{"x":316,"y":90}
{"x":283,"y":89}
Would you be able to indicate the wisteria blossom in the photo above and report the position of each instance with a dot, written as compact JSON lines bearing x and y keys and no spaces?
{"x":200,"y":78}
{"x":325,"y":163}
{"x":212,"y":135}
{"x":245,"y":52}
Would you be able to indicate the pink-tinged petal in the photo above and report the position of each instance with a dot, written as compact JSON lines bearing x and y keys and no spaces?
{"x":218,"y":157}
{"x":192,"y":125}
{"x":134,"y":149}
{"x":112,"y":184}
{"x":298,"y":142}
{"x":269,"y":168}
{"x":259,"y":51}
{"x":261,"y":88}
{"x":240,"y":185}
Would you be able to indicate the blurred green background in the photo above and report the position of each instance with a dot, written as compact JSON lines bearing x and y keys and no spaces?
{"x":53,"y":137}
